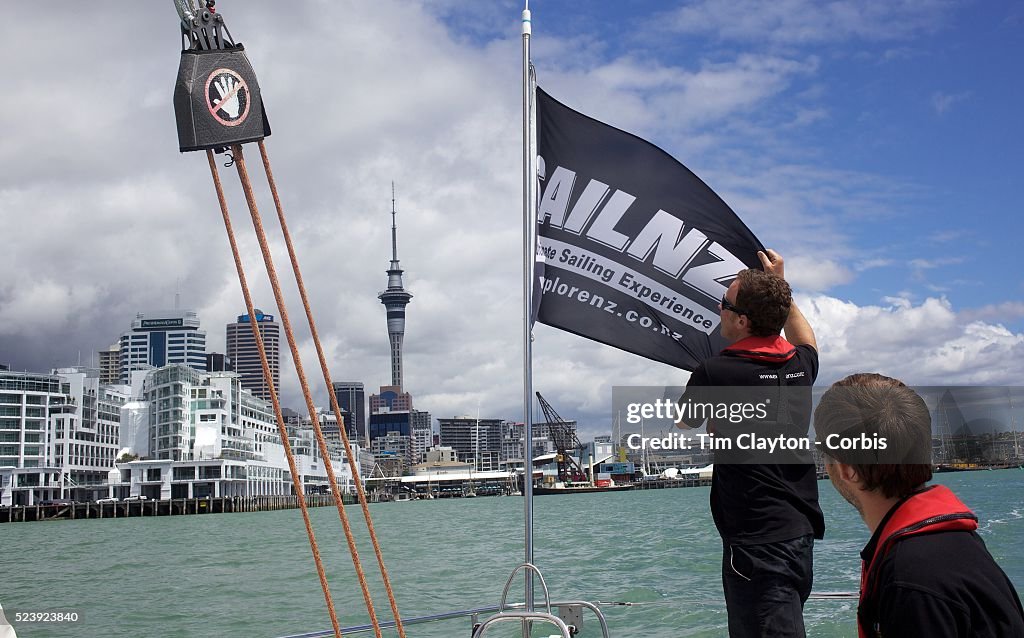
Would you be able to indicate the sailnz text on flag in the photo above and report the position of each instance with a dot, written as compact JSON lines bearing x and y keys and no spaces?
{"x":634,"y":250}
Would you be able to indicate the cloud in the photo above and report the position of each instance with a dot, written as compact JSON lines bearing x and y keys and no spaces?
{"x":645,"y":96}
{"x":869,"y":264}
{"x":806,"y":116}
{"x":926,"y":343}
{"x":943,"y":102}
{"x":1002,"y":312}
{"x":946,"y":236}
{"x":920,"y":266}
{"x":815,"y":275}
{"x":807,"y":21}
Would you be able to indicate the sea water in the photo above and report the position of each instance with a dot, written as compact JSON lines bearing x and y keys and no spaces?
{"x":252,"y":574}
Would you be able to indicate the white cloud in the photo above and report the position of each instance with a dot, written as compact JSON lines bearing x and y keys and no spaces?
{"x":927,"y":343}
{"x":645,"y":96}
{"x":921,"y":265}
{"x":943,"y":102}
{"x":1006,"y":311}
{"x":807,"y":21}
{"x":946,"y":236}
{"x":869,"y":264}
{"x":815,"y":275}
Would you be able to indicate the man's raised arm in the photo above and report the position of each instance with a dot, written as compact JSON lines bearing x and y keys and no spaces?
{"x":798,"y":331}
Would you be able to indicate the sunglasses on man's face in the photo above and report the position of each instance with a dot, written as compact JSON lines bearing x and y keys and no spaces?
{"x":728,"y":305}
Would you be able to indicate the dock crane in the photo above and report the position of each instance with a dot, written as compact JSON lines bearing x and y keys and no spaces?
{"x":566,"y":443}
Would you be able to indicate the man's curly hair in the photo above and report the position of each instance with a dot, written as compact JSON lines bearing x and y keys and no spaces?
{"x":765,"y":299}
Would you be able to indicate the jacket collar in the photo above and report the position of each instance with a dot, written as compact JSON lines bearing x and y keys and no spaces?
{"x":932,"y":509}
{"x":772,"y":349}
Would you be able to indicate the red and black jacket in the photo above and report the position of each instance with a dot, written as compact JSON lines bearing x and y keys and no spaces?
{"x":762,"y":501}
{"x":933,"y":509}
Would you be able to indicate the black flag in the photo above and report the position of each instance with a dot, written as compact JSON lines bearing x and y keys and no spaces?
{"x":637,"y":250}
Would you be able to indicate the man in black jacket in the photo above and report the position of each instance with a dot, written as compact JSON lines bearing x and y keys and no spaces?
{"x":925,"y":571}
{"x":765,"y":506}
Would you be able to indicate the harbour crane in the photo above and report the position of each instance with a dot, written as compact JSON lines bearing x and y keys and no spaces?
{"x":566,"y":443}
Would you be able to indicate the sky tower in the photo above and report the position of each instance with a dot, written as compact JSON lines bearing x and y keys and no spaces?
{"x":395,"y":298}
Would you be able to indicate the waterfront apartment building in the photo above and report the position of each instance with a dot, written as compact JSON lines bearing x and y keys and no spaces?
{"x":85,"y":433}
{"x":199,"y":434}
{"x":158,"y":339}
{"x":26,"y":471}
{"x":244,"y":354}
{"x":476,"y":441}
{"x":58,"y":435}
{"x":194,"y":415}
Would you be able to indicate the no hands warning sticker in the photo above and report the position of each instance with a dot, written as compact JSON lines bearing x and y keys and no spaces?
{"x":227,"y":97}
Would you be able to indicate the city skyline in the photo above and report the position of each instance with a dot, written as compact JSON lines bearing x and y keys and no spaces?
{"x":875,"y":146}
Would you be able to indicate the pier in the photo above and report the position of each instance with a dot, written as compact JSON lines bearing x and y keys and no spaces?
{"x":168,"y":507}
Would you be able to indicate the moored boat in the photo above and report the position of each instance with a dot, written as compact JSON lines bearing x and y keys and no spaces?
{"x":580,"y":488}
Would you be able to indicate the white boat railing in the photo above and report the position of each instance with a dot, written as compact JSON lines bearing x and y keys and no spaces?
{"x":475,"y":613}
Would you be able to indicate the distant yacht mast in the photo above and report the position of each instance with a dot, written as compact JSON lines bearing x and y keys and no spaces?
{"x":395,"y":299}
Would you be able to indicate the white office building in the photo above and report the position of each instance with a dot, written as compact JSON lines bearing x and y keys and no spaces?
{"x":163,"y":338}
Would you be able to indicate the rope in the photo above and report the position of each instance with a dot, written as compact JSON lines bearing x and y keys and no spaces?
{"x":250,"y":199}
{"x":273,"y":394}
{"x":330,"y":391}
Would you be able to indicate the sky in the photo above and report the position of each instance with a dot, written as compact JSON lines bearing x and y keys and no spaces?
{"x":877,"y":145}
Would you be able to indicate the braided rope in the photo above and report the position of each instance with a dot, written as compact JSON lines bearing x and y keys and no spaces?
{"x":330,"y":391}
{"x":268,"y":259}
{"x":273,"y":394}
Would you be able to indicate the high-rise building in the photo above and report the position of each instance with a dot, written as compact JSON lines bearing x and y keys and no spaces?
{"x":160,"y":339}
{"x":110,"y":365}
{"x":475,"y":440}
{"x":351,"y":398}
{"x":219,"y":362}
{"x":390,"y":398}
{"x":245,"y":355}
{"x":422,"y":435}
{"x":395,"y":299}
{"x":383,"y":423}
{"x":394,"y":444}
{"x":27,"y":471}
{"x":513,"y":435}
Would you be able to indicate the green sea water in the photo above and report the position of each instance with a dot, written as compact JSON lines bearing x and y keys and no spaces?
{"x":253,"y":574}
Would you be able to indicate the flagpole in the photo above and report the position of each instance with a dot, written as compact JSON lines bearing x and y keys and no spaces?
{"x":529,"y":224}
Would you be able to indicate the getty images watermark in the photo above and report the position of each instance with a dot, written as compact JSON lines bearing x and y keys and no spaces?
{"x":762,"y":424}
{"x":696,"y":413}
